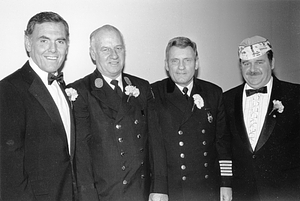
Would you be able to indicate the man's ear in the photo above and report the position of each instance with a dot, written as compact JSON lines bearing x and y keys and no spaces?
{"x":273,"y":64}
{"x":197,"y":64}
{"x":166,"y":65}
{"x":27,"y":42}
{"x":92,"y":54}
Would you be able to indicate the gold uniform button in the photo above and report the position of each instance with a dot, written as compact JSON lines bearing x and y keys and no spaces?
{"x":139,"y":136}
{"x":180,"y":132}
{"x":205,"y":154}
{"x":183,"y":167}
{"x":181,"y":143}
{"x":118,"y":126}
{"x":120,"y":139}
{"x":142,"y":176}
{"x":123,"y":167}
{"x":125,"y":182}
{"x":122,"y":153}
{"x":182,"y":155}
{"x":206,"y":176}
{"x":136,"y":121}
{"x":205,"y":164}
{"x":184,"y":178}
{"x":204,"y":142}
{"x":203,"y":131}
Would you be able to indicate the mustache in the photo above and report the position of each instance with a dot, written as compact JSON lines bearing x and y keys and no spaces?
{"x":253,"y":73}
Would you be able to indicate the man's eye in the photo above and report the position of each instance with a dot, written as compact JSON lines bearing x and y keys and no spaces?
{"x":119,"y":48}
{"x":62,"y":42}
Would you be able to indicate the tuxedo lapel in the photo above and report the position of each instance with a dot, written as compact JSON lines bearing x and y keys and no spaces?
{"x":270,"y":121}
{"x":239,"y":118}
{"x":40,"y":92}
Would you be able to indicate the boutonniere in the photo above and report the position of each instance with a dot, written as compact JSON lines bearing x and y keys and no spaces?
{"x":131,"y":90}
{"x":277,"y":105}
{"x":71,"y":93}
{"x":198,"y":101}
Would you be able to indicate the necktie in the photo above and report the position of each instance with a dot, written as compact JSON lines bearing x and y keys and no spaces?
{"x":59,"y":78}
{"x":250,"y":92}
{"x":117,"y":88}
{"x":185,"y":90}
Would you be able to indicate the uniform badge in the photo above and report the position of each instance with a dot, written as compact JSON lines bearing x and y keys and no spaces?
{"x":99,"y":83}
{"x":209,"y":117}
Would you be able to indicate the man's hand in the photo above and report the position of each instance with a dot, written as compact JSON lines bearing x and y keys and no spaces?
{"x":225,"y":194}
{"x":158,"y":197}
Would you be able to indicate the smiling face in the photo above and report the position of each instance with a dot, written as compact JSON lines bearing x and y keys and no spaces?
{"x":108,"y":51}
{"x":48,"y":46}
{"x":181,"y":64}
{"x":258,"y":71}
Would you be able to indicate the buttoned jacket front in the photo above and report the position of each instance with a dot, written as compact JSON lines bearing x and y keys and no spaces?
{"x":112,"y":139}
{"x":188,"y":141}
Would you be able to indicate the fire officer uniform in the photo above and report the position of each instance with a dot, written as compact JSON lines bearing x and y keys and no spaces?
{"x":190,"y":148}
{"x":112,"y":139}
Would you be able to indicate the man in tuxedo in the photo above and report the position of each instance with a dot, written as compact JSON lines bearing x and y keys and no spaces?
{"x":111,"y":125}
{"x":264,"y":119}
{"x":36,"y":128}
{"x":190,"y":144}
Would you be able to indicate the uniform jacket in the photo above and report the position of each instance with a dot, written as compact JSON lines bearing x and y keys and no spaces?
{"x":188,"y":142}
{"x":35,"y":161}
{"x":272,"y":170}
{"x":112,"y":139}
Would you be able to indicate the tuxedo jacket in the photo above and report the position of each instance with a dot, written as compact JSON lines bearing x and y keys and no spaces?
{"x":188,"y":142}
{"x":272,"y":170}
{"x":112,"y":139}
{"x":35,"y":161}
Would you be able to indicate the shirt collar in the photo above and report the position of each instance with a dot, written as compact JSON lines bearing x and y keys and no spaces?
{"x":189,"y":86}
{"x":119,"y":78}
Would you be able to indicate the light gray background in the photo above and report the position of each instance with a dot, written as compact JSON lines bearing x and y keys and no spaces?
{"x":217,"y":26}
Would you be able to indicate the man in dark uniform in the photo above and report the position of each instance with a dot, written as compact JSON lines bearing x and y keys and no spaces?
{"x":111,"y":125}
{"x":264,"y":118}
{"x":190,"y":148}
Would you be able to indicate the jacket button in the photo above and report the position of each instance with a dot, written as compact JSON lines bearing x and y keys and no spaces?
{"x":253,"y":156}
{"x":205,"y":164}
{"x":122,"y":153}
{"x":118,"y":126}
{"x":142,"y":163}
{"x":142,"y":176}
{"x":120,"y":139}
{"x":139,"y":136}
{"x":10,"y":142}
{"x":181,"y":143}
{"x":136,"y":121}
{"x":125,"y":182}
{"x":141,"y":150}
{"x":204,"y":142}
{"x":180,"y":132}
{"x":183,"y":167}
{"x":205,"y":154}
{"x":182,"y":155}
{"x":206,"y":176}
{"x":203,"y":131}
{"x":123,"y":167}
{"x":184,"y":178}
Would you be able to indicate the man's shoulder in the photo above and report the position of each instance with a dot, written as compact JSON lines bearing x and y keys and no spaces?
{"x":134,"y":80}
{"x":207,"y":85}
{"x":16,"y":78}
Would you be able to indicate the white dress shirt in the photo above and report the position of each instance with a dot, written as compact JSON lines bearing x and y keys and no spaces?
{"x":58,"y":97}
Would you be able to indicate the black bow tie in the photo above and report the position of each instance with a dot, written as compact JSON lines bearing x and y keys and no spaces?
{"x":250,"y":92}
{"x":59,"y":78}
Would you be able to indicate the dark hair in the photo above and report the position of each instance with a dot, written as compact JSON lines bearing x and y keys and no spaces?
{"x":45,"y":17}
{"x":181,"y":42}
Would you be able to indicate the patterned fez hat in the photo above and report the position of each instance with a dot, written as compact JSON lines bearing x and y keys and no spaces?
{"x":253,"y":47}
